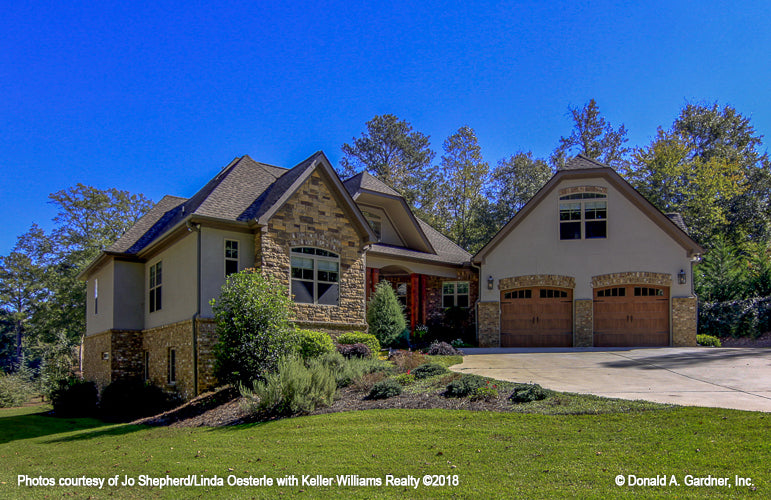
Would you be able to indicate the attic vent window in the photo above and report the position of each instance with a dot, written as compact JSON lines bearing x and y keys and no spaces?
{"x":583,"y":215}
{"x":315,"y":276}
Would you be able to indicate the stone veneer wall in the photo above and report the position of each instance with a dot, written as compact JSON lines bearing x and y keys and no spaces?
{"x":313,"y":217}
{"x":583,"y":327}
{"x":126,"y":356}
{"x":684,"y":318}
{"x":537,"y":280}
{"x":207,"y":338}
{"x":157,"y":342}
{"x":489,"y":325}
{"x":631,"y":278}
{"x":95,"y":368}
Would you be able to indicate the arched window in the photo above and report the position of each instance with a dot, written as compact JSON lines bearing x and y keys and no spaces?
{"x":315,"y":276}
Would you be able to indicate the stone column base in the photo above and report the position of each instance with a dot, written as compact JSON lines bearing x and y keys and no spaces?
{"x":583,"y":327}
{"x":684,"y":317}
{"x":489,"y":324}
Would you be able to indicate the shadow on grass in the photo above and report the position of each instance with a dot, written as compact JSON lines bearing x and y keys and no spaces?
{"x":112,"y":430}
{"x":42,"y":423}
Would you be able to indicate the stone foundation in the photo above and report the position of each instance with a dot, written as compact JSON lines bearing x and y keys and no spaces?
{"x":583,"y":326}
{"x":489,"y":324}
{"x":684,"y":318}
{"x":95,"y":367}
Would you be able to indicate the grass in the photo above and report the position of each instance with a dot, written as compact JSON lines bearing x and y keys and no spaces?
{"x":493,"y":454}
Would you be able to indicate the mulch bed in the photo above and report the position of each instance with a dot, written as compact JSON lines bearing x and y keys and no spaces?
{"x":762,"y":341}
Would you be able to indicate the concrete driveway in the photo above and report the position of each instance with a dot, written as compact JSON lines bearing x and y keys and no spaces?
{"x":725,"y":378}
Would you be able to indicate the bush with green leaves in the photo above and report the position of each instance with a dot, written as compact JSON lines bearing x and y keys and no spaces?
{"x":486,"y":393}
{"x":526,"y":393}
{"x":15,"y":390}
{"x":429,"y":370}
{"x":312,"y":343}
{"x":385,"y":315}
{"x":360,"y":338}
{"x":56,"y":365}
{"x":465,"y":386}
{"x":253,"y":326}
{"x":132,"y":398}
{"x":405,"y":378}
{"x":385,"y":389}
{"x":708,"y":341}
{"x":295,"y":387}
{"x":74,"y":397}
{"x":348,"y":371}
{"x":736,"y":318}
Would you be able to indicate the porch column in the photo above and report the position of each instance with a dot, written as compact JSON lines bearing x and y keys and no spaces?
{"x":423,"y":299}
{"x":414,"y":292}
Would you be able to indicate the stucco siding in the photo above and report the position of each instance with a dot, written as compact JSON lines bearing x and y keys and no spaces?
{"x":213,"y":261}
{"x":128,"y":304}
{"x":179,"y":283}
{"x":102,"y":319}
{"x":634,"y":243}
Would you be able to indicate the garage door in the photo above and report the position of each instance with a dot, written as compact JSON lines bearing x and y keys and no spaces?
{"x":537,"y":317}
{"x":631,"y":316}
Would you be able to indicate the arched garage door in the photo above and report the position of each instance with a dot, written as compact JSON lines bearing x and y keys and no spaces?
{"x":631,"y":316}
{"x":537,"y":317}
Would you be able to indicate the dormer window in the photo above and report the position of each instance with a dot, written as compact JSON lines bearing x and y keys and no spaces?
{"x":315,"y":276}
{"x":583,"y":215}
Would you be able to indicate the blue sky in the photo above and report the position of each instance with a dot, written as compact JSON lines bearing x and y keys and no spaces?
{"x":155,"y":97}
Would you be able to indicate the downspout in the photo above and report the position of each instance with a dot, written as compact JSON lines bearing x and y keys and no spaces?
{"x":197,"y":229}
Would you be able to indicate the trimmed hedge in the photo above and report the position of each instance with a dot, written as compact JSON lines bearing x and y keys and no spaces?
{"x":312,"y":343}
{"x":360,"y":338}
{"x":708,"y":341}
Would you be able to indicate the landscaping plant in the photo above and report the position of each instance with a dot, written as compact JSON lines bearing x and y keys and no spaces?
{"x":385,"y":389}
{"x":311,"y":343}
{"x":253,"y":327}
{"x":708,"y":341}
{"x":428,"y":370}
{"x":358,"y":350}
{"x":385,"y":315}
{"x":15,"y":390}
{"x":360,"y":338}
{"x":526,"y":393}
{"x":74,"y":397}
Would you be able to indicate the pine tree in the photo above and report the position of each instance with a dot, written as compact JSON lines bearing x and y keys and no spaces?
{"x":385,"y":315}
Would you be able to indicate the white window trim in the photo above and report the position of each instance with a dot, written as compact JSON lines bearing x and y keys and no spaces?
{"x":315,"y":280}
{"x":237,"y":258}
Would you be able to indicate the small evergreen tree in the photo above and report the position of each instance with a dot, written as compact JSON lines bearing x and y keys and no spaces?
{"x":252,"y":314}
{"x":385,"y":315}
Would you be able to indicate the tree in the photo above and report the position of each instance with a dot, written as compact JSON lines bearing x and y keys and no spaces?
{"x":514,"y":181}
{"x":20,"y":294}
{"x":385,"y":315}
{"x":592,"y":136}
{"x":397,"y":155}
{"x":720,"y":275}
{"x":252,"y":315}
{"x":462,"y":204}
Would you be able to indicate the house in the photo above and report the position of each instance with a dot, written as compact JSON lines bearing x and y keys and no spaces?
{"x":330,"y":242}
{"x":588,"y":262}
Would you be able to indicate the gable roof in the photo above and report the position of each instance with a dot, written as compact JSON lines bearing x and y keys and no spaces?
{"x":244,"y":191}
{"x":584,"y":167}
{"x":446,"y":250}
{"x":367,"y":181}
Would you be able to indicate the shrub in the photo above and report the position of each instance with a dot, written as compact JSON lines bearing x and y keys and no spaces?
{"x":365,"y":382}
{"x":360,"y":338}
{"x":408,"y":360}
{"x":354,"y":350}
{"x":293,"y":388}
{"x":442,"y":349}
{"x":74,"y":397}
{"x":385,"y":314}
{"x":252,"y":315}
{"x":15,"y":390}
{"x":385,"y":389}
{"x":708,"y":340}
{"x":347,"y":371}
{"x":466,"y":385}
{"x":486,"y":393}
{"x":312,"y":343}
{"x":56,"y":365}
{"x":429,"y":370}
{"x":133,"y":398}
{"x":736,"y":318}
{"x":525,"y":393}
{"x":405,"y":378}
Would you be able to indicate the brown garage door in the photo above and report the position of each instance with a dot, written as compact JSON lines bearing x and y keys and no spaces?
{"x":537,"y":317}
{"x":631,"y":316}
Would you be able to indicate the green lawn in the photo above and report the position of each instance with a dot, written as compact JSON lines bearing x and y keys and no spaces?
{"x":492,"y":454}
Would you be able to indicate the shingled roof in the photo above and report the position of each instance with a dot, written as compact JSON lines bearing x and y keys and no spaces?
{"x":581,"y":162}
{"x":367,"y":181}
{"x":446,"y":250}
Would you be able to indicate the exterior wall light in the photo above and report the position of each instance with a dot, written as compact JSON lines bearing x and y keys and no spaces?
{"x":490,"y":282}
{"x":681,"y":277}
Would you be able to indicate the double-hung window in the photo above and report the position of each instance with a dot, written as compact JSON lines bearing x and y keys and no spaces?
{"x":96,"y":296}
{"x":455,"y":294}
{"x":315,"y":276}
{"x":156,"y":278}
{"x":231,"y":257}
{"x":583,"y":215}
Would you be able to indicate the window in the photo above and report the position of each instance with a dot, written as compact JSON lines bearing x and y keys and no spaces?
{"x":519,"y":294}
{"x":146,"y":365}
{"x":155,"y":287}
{"x":641,"y":291}
{"x":548,"y":293}
{"x":455,"y":294}
{"x":172,"y":372}
{"x":96,"y":296}
{"x":374,"y":223}
{"x":401,"y":293}
{"x":231,"y":257}
{"x":315,"y":276}
{"x":583,"y":212}
{"x":612,"y":292}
